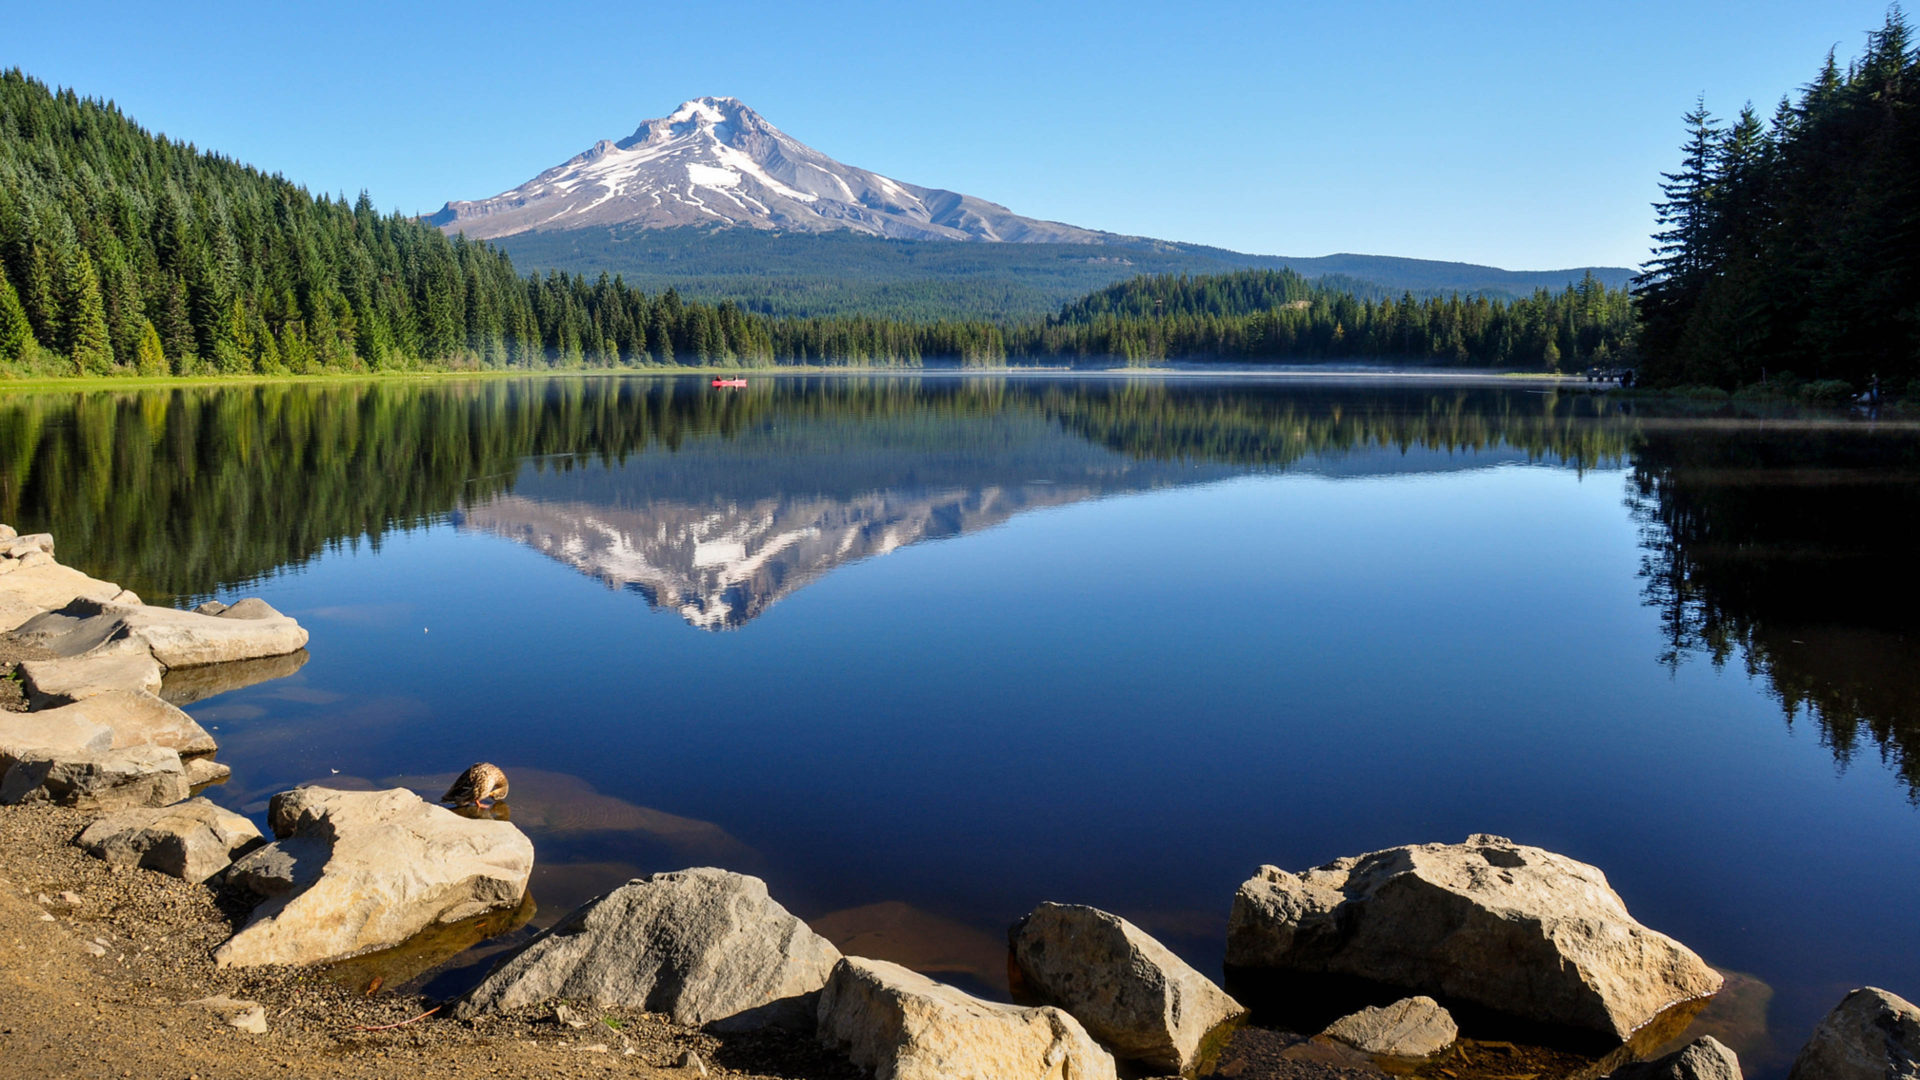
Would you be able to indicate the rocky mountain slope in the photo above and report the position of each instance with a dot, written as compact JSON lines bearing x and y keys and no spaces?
{"x":714,"y":161}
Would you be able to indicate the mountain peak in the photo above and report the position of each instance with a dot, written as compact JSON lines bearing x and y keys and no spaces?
{"x":714,"y":161}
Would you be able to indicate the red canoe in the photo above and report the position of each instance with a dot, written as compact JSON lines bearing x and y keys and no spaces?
{"x":729,"y":382}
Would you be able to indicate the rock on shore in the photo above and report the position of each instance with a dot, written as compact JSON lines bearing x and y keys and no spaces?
{"x":191,"y":840}
{"x":352,"y":871}
{"x":1516,"y":929}
{"x":902,"y":1025}
{"x":703,"y":946}
{"x":1132,"y":993}
{"x":1414,"y":1027}
{"x":1870,"y":1035}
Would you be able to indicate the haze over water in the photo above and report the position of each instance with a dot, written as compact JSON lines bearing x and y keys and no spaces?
{"x":925,"y":652}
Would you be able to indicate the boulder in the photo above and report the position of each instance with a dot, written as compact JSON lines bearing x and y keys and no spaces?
{"x":1511,"y":928}
{"x":1414,"y":1027}
{"x":107,"y":780}
{"x":7,"y":532}
{"x":192,"y":840}
{"x":901,"y":1025}
{"x":49,"y":734}
{"x":123,"y":665}
{"x":1705,"y":1058}
{"x":202,"y":771}
{"x":702,"y":946}
{"x":34,"y":590}
{"x":352,"y":871}
{"x":20,"y":546}
{"x":1130,"y":991}
{"x":248,"y":630}
{"x":138,"y":718}
{"x":1870,"y":1035}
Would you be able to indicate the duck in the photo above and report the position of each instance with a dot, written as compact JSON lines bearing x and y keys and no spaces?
{"x":483,"y":782}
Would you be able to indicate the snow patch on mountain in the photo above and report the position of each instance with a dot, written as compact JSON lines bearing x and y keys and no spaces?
{"x":763,"y":178}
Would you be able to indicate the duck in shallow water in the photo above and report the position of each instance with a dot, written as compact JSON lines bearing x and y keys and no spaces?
{"x":483,"y":782}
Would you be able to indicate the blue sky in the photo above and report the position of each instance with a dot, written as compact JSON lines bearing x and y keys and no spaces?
{"x":1524,"y":135}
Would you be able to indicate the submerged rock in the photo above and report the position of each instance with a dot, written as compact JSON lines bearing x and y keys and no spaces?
{"x":902,"y":1025}
{"x":1870,"y":1035}
{"x":1516,"y":929}
{"x":352,"y":871}
{"x":702,"y":946}
{"x":1705,"y":1058}
{"x":1414,"y":1027}
{"x":1130,"y":991}
{"x":191,"y":840}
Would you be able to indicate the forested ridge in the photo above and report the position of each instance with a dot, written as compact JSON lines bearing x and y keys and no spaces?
{"x":1790,"y":248}
{"x":122,"y":252}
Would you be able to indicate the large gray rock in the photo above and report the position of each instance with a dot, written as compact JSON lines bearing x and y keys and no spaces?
{"x":108,"y":780}
{"x":138,"y":718}
{"x":363,"y":870}
{"x":900,"y":1025}
{"x":702,"y":946}
{"x":1870,"y":1035}
{"x":1705,"y":1058}
{"x":192,"y":840}
{"x":1130,"y":991}
{"x":1414,"y":1027}
{"x":1513,"y":928}
{"x":36,"y":588}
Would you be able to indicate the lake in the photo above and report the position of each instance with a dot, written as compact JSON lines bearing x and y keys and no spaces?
{"x":925,"y":651}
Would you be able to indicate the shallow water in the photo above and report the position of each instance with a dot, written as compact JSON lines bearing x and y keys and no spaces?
{"x":1128,"y":639}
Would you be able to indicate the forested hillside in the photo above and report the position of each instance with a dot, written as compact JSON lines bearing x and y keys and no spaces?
{"x":1791,"y":247}
{"x":1262,"y":315}
{"x":811,"y":275}
{"x":127,"y":253}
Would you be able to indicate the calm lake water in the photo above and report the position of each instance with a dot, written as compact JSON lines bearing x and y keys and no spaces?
{"x":1128,"y":640}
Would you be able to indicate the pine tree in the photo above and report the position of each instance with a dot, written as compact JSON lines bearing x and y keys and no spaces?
{"x":86,"y":340}
{"x":150,"y":357}
{"x":16,"y":332}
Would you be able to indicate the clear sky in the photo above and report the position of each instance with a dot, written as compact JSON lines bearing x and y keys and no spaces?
{"x":1524,"y":135}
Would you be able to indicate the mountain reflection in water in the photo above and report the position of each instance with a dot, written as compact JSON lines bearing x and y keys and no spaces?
{"x":1130,"y":639}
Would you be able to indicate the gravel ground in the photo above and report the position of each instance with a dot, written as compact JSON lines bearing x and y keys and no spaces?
{"x":97,"y":965}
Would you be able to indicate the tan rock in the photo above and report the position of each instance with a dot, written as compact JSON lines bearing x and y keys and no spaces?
{"x":33,"y":591}
{"x":1512,"y":928}
{"x":1131,"y":992}
{"x":49,"y":733}
{"x":138,"y":718}
{"x":202,"y":772}
{"x":110,"y":780}
{"x":902,"y":1025}
{"x":1870,"y":1035}
{"x":364,"y":870}
{"x":1414,"y":1027}
{"x":191,"y":840}
{"x":121,"y":665}
{"x":701,"y":945}
{"x":249,"y":630}
{"x":248,"y":1016}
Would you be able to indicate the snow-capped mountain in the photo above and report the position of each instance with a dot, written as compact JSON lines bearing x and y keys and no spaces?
{"x":716,"y":162}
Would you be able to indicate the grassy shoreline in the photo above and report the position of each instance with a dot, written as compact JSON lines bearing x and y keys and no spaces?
{"x":85,"y":383}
